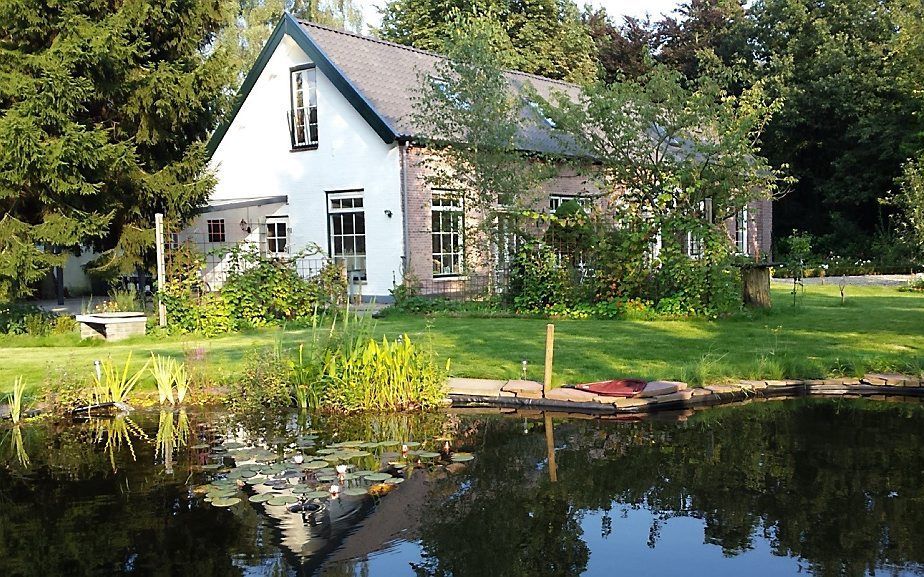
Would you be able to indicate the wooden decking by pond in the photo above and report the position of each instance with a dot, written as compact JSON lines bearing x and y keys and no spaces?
{"x":528,"y":394}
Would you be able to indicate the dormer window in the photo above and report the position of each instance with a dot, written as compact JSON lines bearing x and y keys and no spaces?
{"x":303,"y":116}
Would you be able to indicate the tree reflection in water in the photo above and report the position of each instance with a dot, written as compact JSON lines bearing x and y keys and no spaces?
{"x":837,"y":484}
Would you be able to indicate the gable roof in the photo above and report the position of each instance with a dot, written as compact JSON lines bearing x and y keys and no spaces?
{"x":380,"y":80}
{"x":388,"y":75}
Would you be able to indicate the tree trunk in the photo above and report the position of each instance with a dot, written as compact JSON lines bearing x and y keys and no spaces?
{"x":756,"y":286}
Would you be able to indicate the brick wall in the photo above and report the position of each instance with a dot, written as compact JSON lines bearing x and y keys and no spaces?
{"x":568,"y":183}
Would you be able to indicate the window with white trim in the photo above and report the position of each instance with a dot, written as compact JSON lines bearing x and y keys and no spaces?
{"x":303,"y":116}
{"x":694,"y":242}
{"x":556,"y":200}
{"x":347,"y":222}
{"x":741,"y":230}
{"x":216,"y":229}
{"x":447,"y":221}
{"x":277,"y":236}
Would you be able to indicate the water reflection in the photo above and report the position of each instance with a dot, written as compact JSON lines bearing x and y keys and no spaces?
{"x":819,"y":487}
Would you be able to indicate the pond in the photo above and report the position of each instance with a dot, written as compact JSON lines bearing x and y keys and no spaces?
{"x":821,"y":487}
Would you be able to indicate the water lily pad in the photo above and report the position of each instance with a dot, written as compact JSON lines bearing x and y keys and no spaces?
{"x":363,"y":473}
{"x":301,"y":489}
{"x":316,"y":495}
{"x":260,"y":497}
{"x":325,"y":451}
{"x":291,"y":474}
{"x":317,"y":465}
{"x":358,"y":454}
{"x":378,"y":477}
{"x":225,"y":502}
{"x":210,"y":466}
{"x":255,"y":480}
{"x":368,"y":445}
{"x":462,"y":457}
{"x":233,"y":445}
{"x":282,"y":500}
{"x":277,"y":484}
{"x":411,"y":444}
{"x":326,"y":478}
{"x":428,"y":455}
{"x":398,"y":464}
{"x":356,"y":491}
{"x":394,"y":481}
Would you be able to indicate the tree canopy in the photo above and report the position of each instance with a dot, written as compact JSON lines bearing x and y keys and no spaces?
{"x":103,"y":111}
{"x":542,"y":37}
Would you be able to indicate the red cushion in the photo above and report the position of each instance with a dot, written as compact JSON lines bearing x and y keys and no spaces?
{"x":614,"y":388}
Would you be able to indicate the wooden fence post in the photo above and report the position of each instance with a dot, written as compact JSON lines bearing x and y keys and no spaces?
{"x":549,"y":347}
{"x":161,"y":272}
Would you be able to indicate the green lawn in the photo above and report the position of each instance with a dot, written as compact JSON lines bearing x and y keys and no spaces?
{"x":878,"y":329}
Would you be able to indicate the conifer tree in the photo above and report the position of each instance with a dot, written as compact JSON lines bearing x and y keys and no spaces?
{"x":104,"y":107}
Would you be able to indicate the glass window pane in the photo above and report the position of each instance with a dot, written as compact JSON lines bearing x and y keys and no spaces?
{"x":360,"y":223}
{"x":360,"y":245}
{"x":348,"y":224}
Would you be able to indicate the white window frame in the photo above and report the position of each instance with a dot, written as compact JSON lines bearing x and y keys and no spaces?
{"x":447,"y":202}
{"x":303,"y":106}
{"x":742,"y":232}
{"x":355,"y":261}
{"x":556,"y":200}
{"x":273,"y":226}
{"x":694,"y":243}
{"x":215,"y":230}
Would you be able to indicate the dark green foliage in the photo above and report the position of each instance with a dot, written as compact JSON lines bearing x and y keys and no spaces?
{"x":542,"y":37}
{"x":262,"y":290}
{"x":263,"y":383}
{"x":258,"y":291}
{"x":537,"y":280}
{"x":28,"y":319}
{"x":103,"y":111}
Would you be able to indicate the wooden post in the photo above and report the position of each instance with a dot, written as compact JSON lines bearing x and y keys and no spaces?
{"x":161,"y":268}
{"x":550,"y":446}
{"x":549,"y":347}
{"x":756,"y":285}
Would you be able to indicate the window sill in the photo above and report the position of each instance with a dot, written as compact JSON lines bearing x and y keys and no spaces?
{"x":448,"y":278}
{"x":301,"y":148}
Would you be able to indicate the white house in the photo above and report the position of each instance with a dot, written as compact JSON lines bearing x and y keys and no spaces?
{"x":320,"y":150}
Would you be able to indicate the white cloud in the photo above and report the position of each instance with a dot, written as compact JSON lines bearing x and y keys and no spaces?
{"x":614,"y":8}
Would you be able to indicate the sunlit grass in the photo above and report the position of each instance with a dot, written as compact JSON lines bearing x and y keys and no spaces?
{"x":879,"y":328}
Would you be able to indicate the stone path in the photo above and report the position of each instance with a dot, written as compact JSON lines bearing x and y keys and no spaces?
{"x":669,"y":395}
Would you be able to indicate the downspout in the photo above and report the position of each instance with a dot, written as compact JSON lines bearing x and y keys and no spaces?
{"x":406,"y":236}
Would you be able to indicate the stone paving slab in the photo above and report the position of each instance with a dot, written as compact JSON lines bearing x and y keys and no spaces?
{"x":521,"y":394}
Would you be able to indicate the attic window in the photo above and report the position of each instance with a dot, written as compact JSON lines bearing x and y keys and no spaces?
{"x":303,"y":116}
{"x":538,"y":110}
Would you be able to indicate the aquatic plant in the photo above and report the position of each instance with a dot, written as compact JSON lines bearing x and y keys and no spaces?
{"x":386,"y":375}
{"x":16,"y":399}
{"x":163,"y":369}
{"x":182,"y":381}
{"x":112,"y":386}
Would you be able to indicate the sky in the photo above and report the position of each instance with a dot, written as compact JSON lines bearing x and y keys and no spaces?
{"x":615,"y":8}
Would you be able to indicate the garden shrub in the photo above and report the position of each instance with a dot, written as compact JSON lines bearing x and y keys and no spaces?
{"x":24,"y":318}
{"x":263,"y":383}
{"x":258,"y":291}
{"x":537,"y":281}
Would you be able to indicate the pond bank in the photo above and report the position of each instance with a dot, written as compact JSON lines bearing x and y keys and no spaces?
{"x":528,"y":394}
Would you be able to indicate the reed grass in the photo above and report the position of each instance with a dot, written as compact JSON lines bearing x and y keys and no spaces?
{"x":163,"y":369}
{"x":114,"y":386}
{"x":182,"y":381}
{"x":16,"y":398}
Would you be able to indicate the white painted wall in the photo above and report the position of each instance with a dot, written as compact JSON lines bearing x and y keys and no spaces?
{"x":254,"y":159}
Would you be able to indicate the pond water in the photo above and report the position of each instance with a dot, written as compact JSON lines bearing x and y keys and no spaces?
{"x":775,"y":488}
